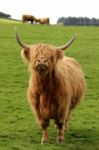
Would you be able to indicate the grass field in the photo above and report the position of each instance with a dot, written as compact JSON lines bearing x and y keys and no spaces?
{"x":18,"y":127}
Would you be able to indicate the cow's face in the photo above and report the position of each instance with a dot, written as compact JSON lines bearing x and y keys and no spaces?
{"x":42,"y":58}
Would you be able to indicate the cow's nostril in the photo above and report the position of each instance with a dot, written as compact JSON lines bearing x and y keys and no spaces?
{"x":44,"y":61}
{"x":39,"y":60}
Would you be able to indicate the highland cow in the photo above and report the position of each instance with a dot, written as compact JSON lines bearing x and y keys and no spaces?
{"x":56,"y":85}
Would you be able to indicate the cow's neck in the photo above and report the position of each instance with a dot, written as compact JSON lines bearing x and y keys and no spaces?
{"x":45,"y":83}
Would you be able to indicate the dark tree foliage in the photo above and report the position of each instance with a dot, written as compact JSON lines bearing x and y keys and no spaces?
{"x":78,"y":21}
{"x":3,"y":15}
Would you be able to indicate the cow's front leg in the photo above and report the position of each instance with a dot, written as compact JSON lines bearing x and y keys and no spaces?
{"x":60,"y":132}
{"x":44,"y":125}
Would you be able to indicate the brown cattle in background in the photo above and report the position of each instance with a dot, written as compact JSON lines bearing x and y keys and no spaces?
{"x":28,"y":18}
{"x":56,"y":85}
{"x":44,"y":21}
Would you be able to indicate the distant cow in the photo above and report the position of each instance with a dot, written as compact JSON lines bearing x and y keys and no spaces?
{"x":26,"y":18}
{"x":56,"y":84}
{"x":44,"y":21}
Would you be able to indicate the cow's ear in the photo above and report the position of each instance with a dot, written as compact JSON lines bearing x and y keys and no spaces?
{"x":59,"y":54}
{"x":26,"y":54}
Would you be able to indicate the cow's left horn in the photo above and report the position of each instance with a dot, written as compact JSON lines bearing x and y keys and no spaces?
{"x":67,"y":44}
{"x":23,"y":45}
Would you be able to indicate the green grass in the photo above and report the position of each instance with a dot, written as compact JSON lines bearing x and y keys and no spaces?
{"x":8,"y":21}
{"x":18,"y":127}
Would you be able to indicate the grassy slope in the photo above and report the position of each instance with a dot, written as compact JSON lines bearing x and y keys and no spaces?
{"x":11,"y":21}
{"x":18,"y":128}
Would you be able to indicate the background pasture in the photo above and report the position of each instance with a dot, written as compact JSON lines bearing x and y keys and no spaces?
{"x":18,"y":127}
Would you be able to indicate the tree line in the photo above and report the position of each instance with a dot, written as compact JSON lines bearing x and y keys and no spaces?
{"x":78,"y":21}
{"x":4,"y":15}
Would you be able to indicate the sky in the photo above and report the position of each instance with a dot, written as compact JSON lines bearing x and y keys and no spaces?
{"x":53,"y":9}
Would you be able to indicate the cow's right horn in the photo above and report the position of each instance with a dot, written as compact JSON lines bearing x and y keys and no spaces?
{"x":67,"y":44}
{"x":23,"y":45}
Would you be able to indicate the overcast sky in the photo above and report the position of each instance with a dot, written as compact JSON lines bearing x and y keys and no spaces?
{"x":53,"y":9}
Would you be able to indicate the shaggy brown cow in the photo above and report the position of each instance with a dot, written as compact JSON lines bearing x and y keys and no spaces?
{"x":26,"y":18}
{"x":56,"y":85}
{"x":44,"y":21}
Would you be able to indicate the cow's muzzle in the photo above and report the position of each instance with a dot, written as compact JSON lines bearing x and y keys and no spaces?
{"x":41,"y":68}
{"x":41,"y":65}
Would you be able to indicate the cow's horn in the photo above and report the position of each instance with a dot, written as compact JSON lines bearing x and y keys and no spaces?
{"x":23,"y":45}
{"x":67,"y":44}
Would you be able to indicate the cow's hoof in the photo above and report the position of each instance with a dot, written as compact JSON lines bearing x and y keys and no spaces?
{"x":44,"y":141}
{"x":60,"y":140}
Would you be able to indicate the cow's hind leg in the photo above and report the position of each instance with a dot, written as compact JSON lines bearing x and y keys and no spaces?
{"x":44,"y":125}
{"x":66,"y":121}
{"x":60,"y":132}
